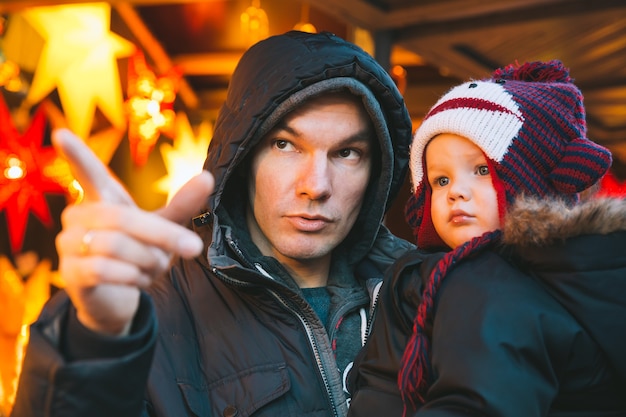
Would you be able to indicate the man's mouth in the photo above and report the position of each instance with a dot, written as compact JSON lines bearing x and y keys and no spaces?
{"x":308,"y":223}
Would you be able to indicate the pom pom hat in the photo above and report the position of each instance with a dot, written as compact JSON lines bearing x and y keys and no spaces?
{"x":529,"y":121}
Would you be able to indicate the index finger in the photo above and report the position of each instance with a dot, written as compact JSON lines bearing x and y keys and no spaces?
{"x":145,"y":227}
{"x":93,"y":176}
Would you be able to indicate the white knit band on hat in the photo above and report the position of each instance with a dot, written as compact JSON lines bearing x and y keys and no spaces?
{"x":487,"y":115}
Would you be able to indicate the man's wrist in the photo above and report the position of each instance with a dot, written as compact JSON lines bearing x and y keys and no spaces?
{"x":79,"y":342}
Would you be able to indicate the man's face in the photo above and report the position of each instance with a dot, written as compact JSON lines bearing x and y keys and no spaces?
{"x":464,"y":203}
{"x":307,"y":180}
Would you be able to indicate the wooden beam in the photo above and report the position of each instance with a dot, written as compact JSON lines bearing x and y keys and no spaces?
{"x":12,"y":6}
{"x":527,"y":13}
{"x":216,"y":63}
{"x":367,"y":15}
{"x":154,"y":49}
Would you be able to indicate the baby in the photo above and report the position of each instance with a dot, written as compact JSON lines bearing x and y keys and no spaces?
{"x":515,"y":302}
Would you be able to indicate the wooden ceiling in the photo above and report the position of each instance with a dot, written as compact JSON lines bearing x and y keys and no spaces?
{"x":468,"y":38}
{"x":439,"y":42}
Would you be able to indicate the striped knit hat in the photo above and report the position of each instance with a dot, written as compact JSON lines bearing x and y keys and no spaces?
{"x":529,"y":121}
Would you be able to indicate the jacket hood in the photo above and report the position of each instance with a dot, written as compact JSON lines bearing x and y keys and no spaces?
{"x":278,"y":74}
{"x":579,"y":254}
{"x":534,"y":221}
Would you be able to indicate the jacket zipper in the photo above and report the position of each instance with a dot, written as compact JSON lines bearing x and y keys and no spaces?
{"x":368,"y":328}
{"x":312,"y":342}
{"x":318,"y":358}
{"x":342,"y":312}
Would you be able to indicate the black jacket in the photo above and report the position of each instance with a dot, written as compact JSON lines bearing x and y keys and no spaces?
{"x":235,"y":336}
{"x":534,"y":328}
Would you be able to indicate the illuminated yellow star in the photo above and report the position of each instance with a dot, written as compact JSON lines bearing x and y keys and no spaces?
{"x":103,"y":143}
{"x":79,"y":58}
{"x":186,"y":158}
{"x":22,"y":300}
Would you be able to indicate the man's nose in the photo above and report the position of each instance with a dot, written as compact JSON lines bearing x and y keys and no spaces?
{"x":314,"y":179}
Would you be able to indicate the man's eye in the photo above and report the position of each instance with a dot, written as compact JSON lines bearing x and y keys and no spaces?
{"x":350,"y":153}
{"x":282,"y":144}
{"x":483,"y":170}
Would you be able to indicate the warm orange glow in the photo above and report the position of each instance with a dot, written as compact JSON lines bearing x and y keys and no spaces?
{"x":10,"y":76}
{"x":15,"y":168}
{"x":254,"y":23}
{"x":24,"y":160}
{"x":185,"y":158}
{"x":398,"y":73}
{"x":103,"y":143}
{"x":304,"y":25}
{"x":78,"y":58}
{"x":22,"y":300}
{"x":149,"y":107}
{"x":59,"y":171}
{"x":11,"y":298}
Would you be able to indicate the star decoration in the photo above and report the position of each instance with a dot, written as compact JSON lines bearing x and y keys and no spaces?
{"x":21,"y":43}
{"x":185,"y":158}
{"x":10,"y":76}
{"x":23,"y":176}
{"x":612,"y":187}
{"x":79,"y":58}
{"x":22,"y":296}
{"x":103,"y":143}
{"x":149,"y":106}
{"x":13,"y":308}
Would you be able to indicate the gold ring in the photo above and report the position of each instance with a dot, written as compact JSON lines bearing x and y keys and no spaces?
{"x":85,"y":242}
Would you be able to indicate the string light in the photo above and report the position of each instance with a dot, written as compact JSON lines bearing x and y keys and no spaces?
{"x":254,"y":23}
{"x":149,"y":107}
{"x":304,"y":25}
{"x":15,"y":168}
{"x":398,"y":74}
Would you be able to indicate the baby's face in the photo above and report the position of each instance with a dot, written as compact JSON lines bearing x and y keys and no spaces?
{"x":464,"y":203}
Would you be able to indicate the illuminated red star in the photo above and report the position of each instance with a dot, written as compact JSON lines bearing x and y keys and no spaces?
{"x":23,"y":181}
{"x":610,"y":186}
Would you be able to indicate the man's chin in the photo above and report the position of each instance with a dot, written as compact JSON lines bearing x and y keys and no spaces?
{"x":306,"y":253}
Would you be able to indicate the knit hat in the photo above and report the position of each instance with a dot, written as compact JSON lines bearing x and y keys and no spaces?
{"x":529,"y":121}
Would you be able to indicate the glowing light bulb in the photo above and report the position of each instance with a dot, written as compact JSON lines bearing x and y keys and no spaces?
{"x":254,"y":23}
{"x":15,"y":169}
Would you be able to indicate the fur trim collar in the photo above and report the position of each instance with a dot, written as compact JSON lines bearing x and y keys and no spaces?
{"x":534,"y":221}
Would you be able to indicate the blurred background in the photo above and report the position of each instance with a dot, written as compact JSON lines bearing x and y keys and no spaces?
{"x":141,"y":81}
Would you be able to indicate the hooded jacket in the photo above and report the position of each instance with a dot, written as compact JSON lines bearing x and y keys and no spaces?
{"x":235,"y":335}
{"x":533,"y":328}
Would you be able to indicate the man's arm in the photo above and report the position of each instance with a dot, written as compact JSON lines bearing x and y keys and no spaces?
{"x":66,"y":370}
{"x":109,"y":248}
{"x":98,"y":376}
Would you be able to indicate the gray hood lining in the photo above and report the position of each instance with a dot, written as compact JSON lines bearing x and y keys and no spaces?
{"x":365,"y":230}
{"x":357,"y":88}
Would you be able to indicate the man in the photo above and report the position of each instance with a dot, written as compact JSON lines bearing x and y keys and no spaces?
{"x":266,"y":313}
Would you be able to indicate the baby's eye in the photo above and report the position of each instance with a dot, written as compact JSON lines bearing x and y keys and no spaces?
{"x":442,"y":181}
{"x":483,"y":170}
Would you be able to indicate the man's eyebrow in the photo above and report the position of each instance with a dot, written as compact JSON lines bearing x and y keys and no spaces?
{"x":365,"y":135}
{"x":281,"y":125}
